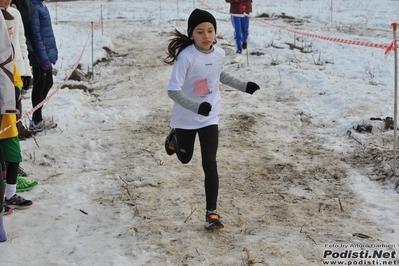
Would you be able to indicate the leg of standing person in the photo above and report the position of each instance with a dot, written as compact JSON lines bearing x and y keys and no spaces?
{"x":39,"y":82}
{"x":42,"y":83}
{"x":23,"y":133}
{"x":245,"y":31}
{"x":11,"y":177}
{"x":238,"y":36}
{"x":12,"y":155}
{"x":49,"y":83}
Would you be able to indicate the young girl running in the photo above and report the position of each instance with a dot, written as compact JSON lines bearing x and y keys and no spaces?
{"x":194,"y":88}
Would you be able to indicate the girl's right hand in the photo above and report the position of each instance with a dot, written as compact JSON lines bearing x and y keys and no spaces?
{"x":204,"y":109}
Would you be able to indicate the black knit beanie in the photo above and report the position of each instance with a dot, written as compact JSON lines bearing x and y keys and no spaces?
{"x":197,"y":17}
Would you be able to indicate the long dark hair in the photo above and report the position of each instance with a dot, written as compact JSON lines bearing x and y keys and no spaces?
{"x":177,"y":44}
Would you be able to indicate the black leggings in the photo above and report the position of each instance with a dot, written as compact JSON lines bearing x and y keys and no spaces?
{"x":209,"y":141}
{"x":42,"y":83}
{"x":12,"y":173}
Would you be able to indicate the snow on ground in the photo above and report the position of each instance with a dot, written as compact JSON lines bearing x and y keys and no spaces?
{"x":300,"y":177}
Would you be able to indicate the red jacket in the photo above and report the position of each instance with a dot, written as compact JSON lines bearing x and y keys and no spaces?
{"x":237,"y":6}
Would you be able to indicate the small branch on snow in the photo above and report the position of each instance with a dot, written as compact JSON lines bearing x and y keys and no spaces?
{"x":34,"y":138}
{"x":127,"y":186}
{"x":12,"y":238}
{"x":311,"y":238}
{"x":279,"y":194}
{"x":247,"y":257}
{"x":300,"y":231}
{"x":360,"y":235}
{"x":128,"y":191}
{"x":53,"y":175}
{"x":191,"y":213}
{"x":159,"y":162}
{"x":340,"y":205}
{"x":82,"y":211}
{"x":136,"y":212}
{"x":350,"y":136}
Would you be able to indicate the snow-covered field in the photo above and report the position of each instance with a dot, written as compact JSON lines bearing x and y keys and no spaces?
{"x":300,"y":177}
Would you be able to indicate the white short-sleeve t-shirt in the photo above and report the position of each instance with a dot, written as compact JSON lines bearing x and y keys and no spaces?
{"x":197,"y":75}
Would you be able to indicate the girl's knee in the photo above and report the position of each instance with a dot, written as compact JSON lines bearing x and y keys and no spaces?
{"x":184,"y":159}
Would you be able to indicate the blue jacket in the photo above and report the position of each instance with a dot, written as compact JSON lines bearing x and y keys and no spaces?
{"x":41,"y":36}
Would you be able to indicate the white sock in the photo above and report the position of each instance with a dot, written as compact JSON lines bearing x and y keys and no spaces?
{"x":10,"y":190}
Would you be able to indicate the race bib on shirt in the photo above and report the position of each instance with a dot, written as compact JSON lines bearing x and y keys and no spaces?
{"x":201,"y":87}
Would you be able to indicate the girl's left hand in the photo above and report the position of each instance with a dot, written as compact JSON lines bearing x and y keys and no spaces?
{"x":252,"y":87}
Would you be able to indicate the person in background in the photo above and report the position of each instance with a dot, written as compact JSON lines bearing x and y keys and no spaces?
{"x":41,"y":37}
{"x":194,"y":88}
{"x":26,"y":9}
{"x":9,"y":141}
{"x":7,"y":97}
{"x":21,"y":60}
{"x":239,"y":10}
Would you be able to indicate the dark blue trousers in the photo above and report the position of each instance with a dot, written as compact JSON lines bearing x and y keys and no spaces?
{"x":241,"y":30}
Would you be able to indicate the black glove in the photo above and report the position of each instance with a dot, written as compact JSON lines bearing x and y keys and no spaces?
{"x":26,"y":81}
{"x":251,"y":87}
{"x":204,"y":108}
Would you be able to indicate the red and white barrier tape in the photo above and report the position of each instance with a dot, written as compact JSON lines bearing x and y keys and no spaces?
{"x":392,"y":47}
{"x":27,"y":114}
{"x":387,"y":48}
